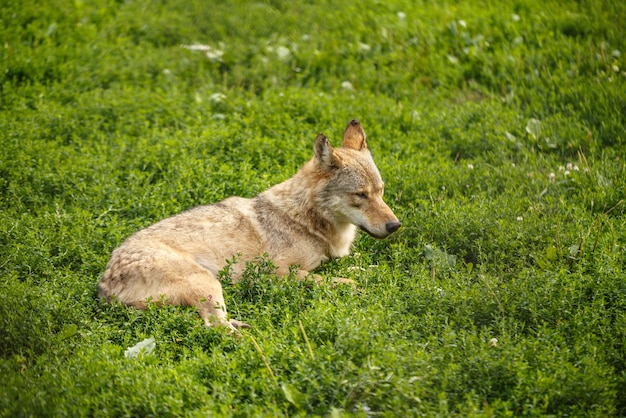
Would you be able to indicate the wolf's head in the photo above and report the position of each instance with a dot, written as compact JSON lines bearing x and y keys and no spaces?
{"x":354,"y":189}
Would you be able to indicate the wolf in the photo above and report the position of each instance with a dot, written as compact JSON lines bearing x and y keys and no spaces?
{"x":299,"y":224}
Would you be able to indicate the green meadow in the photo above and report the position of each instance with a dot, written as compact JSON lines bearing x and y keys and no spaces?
{"x":499,"y":128}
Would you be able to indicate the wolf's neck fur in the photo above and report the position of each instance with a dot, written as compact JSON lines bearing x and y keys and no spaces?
{"x":298,"y":200}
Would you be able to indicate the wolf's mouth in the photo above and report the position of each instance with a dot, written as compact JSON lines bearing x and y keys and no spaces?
{"x":371,"y":234}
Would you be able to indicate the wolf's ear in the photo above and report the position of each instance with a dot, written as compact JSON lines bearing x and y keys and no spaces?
{"x":325,"y":154}
{"x":354,"y":136}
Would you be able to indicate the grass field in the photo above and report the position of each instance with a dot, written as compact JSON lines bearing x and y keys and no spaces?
{"x":498,"y":126}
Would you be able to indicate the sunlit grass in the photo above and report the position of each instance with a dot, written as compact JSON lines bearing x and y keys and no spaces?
{"x":499,"y":129}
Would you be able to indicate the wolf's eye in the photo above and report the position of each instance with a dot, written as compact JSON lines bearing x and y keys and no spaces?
{"x":361,"y":195}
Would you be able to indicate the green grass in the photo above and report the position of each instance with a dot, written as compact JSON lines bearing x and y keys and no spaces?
{"x":499,"y":128}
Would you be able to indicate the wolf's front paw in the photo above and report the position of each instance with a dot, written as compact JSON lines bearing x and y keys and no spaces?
{"x":238,"y":324}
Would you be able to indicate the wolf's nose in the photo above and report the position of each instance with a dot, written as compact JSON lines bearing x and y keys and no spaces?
{"x":392,"y":226}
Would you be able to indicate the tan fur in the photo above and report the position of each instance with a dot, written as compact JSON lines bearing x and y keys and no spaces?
{"x":303,"y":221}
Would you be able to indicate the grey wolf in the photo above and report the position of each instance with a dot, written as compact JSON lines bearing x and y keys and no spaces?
{"x":303,"y":222}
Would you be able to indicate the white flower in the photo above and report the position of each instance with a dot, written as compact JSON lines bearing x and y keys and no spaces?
{"x":453,"y":59}
{"x":364,"y":47}
{"x":470,"y":166}
{"x":401,"y":15}
{"x":283,"y":52}
{"x":493,"y":342}
{"x":217,"y":97}
{"x":213,"y":54}
{"x":520,"y":219}
{"x":551,"y":177}
{"x":346,"y":85}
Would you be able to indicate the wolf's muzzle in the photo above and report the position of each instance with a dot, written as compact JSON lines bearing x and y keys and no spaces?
{"x":390,"y":228}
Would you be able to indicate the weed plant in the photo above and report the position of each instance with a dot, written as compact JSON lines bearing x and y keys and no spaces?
{"x":499,"y":127}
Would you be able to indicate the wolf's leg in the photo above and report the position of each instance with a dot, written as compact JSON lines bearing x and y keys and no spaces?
{"x":305,"y":275}
{"x":205,"y":293}
{"x":183,"y":282}
{"x":138,"y":273}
